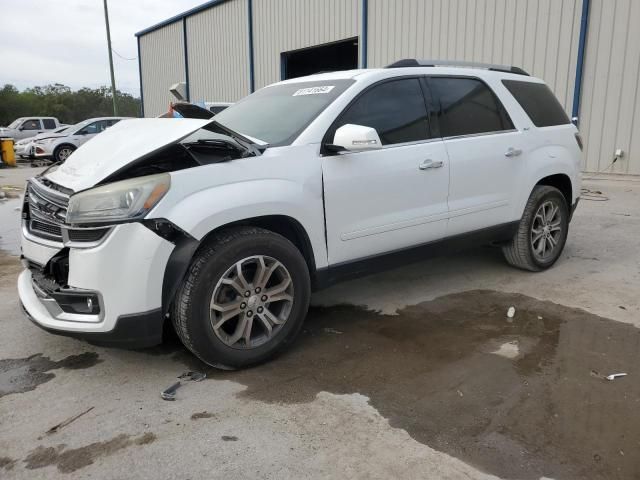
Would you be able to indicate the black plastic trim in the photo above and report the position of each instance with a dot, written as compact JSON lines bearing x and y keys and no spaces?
{"x":573,"y":208}
{"x":365,"y":266}
{"x":139,"y":330}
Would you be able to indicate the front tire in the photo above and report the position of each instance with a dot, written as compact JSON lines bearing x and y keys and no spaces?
{"x":244,"y":298}
{"x":62,"y":152}
{"x":542,"y":232}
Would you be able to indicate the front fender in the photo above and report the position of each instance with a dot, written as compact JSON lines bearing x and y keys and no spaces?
{"x":206,"y":210}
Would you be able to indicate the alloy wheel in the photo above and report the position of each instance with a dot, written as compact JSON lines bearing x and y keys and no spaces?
{"x":546,"y":231}
{"x":251,"y":302}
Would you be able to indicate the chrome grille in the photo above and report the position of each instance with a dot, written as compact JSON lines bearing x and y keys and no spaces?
{"x":47,"y":210}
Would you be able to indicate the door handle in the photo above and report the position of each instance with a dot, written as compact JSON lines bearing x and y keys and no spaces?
{"x":512,"y":152}
{"x":428,"y":164}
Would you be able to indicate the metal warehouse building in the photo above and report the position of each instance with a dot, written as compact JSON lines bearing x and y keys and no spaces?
{"x":588,"y":51}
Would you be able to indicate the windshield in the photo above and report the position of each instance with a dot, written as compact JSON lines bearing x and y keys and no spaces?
{"x":15,"y":123}
{"x":277,"y":115}
{"x":78,"y":126}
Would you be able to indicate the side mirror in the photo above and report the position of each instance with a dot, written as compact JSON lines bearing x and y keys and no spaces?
{"x":356,"y":138}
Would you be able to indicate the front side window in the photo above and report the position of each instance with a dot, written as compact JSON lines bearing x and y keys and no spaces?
{"x":92,"y":128}
{"x":396,"y":109}
{"x":278,"y":114}
{"x":31,"y":124}
{"x":49,"y":123}
{"x":467,"y":107}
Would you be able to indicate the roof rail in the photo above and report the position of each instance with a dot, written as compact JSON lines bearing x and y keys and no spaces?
{"x":412,"y":62}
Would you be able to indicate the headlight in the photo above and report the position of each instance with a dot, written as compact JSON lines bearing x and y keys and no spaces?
{"x":120,"y":201}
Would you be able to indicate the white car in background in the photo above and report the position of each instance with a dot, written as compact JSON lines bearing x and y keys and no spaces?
{"x":59,"y":146}
{"x":24,"y":148}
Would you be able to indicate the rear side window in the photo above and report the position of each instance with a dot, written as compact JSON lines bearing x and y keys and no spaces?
{"x":396,"y":109}
{"x":468,"y":107}
{"x":538,"y":102}
{"x":49,"y":123}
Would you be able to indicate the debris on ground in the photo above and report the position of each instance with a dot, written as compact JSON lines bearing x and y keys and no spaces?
{"x":613,"y":376}
{"x":333,"y":330}
{"x":193,"y":376}
{"x":511,"y":312}
{"x":170,"y":393}
{"x":61,"y":425}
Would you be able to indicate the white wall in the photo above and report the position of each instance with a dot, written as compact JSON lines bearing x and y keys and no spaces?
{"x":283,"y":25}
{"x":218,"y":49}
{"x":610,"y":113}
{"x":162,"y":59}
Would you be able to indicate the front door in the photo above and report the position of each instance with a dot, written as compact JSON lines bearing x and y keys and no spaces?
{"x":378,"y":201}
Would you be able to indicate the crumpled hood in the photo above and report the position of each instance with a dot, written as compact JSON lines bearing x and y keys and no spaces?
{"x":116,"y":147}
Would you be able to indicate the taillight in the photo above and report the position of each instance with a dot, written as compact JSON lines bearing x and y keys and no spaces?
{"x":579,"y":140}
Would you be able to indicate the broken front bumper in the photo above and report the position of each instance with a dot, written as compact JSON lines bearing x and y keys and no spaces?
{"x":112,"y":292}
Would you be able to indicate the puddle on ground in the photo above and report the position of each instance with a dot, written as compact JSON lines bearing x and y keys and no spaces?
{"x":18,"y":375}
{"x":10,"y":226}
{"x":514,"y":397}
{"x":72,"y":459}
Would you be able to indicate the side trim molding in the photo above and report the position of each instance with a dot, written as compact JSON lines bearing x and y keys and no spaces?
{"x":365,"y":266}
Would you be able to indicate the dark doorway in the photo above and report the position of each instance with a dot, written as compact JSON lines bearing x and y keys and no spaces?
{"x":342,"y":55}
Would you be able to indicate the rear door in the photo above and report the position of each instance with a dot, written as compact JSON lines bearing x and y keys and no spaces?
{"x":485,"y":152}
{"x":395,"y":197}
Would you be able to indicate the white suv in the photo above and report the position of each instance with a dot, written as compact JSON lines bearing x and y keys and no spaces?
{"x":225,"y":226}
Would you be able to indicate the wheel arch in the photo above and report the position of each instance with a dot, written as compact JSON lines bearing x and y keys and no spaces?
{"x":562,"y":182}
{"x":187,"y":246}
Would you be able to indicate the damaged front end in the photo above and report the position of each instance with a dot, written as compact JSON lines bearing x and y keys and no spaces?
{"x":94,"y":264}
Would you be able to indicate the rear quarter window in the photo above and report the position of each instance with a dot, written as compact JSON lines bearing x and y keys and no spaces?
{"x":538,"y":102}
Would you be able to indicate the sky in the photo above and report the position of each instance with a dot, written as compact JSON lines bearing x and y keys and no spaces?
{"x":65,"y":41}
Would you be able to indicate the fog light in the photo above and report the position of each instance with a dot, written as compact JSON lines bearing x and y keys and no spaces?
{"x":78,"y":303}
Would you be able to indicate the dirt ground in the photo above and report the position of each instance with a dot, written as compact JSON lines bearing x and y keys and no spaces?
{"x":413,"y":373}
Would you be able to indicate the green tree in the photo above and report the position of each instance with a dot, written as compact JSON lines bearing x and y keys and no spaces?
{"x":60,"y":101}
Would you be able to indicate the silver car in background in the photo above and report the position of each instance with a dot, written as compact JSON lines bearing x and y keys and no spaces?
{"x":59,"y":146}
{"x":25,"y":149}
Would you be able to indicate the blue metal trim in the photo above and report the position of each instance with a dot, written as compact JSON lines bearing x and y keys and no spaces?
{"x":577,"y":88}
{"x":180,"y":16}
{"x":140,"y":76}
{"x":251,"y":64}
{"x":365,"y":32}
{"x":186,"y":57}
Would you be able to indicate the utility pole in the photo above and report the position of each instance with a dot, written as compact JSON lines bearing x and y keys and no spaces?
{"x":113,"y":79}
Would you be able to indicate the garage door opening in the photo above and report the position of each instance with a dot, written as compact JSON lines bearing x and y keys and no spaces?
{"x":342,"y":55}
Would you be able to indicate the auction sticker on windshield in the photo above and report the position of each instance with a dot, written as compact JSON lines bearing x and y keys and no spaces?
{"x":313,"y":90}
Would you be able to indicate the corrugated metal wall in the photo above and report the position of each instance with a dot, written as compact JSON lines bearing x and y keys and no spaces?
{"x":162,"y":61}
{"x":540,"y":36}
{"x":283,"y":25}
{"x":610,"y":111}
{"x":218,"y":49}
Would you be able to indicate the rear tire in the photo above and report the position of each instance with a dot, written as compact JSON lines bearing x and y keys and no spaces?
{"x":244,"y":298}
{"x":542,"y":232}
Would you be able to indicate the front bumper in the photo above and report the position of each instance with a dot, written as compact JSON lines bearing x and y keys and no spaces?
{"x":125,"y":272}
{"x":42,"y":150}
